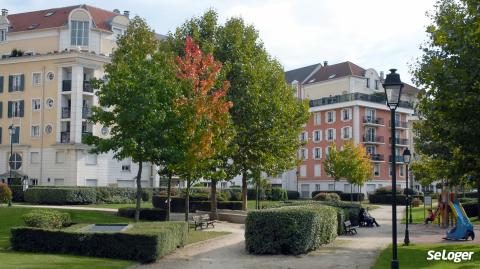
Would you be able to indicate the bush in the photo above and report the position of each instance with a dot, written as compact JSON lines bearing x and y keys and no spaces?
{"x":276,"y":194}
{"x":293,"y":195}
{"x":322,"y":196}
{"x":46,"y":218}
{"x":416,"y":202}
{"x":145,"y":213}
{"x":17,"y":193}
{"x":352,"y":196}
{"x":145,"y":242}
{"x":388,"y":198}
{"x":252,"y":194}
{"x":5,"y":193}
{"x":471,"y":209}
{"x":290,"y":230}
{"x":387,"y":190}
{"x":60,"y":196}
{"x":314,"y":193}
{"x":471,"y":194}
{"x":177,"y":204}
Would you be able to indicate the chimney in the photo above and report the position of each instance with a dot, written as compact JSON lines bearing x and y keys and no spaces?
{"x":126,"y":13}
{"x":325,"y":63}
{"x":4,"y":12}
{"x":382,"y":74}
{"x":116,"y":11}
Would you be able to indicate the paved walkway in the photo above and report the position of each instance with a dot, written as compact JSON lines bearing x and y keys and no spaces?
{"x":229,"y":252}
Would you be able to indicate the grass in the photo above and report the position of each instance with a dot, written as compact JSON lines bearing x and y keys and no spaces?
{"x":417,"y":214}
{"x":116,"y":206}
{"x":475,"y":220}
{"x":263,"y":204}
{"x":197,"y":236}
{"x":415,"y":257}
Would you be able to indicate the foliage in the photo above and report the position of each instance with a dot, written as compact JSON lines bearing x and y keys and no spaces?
{"x":46,"y":218}
{"x":5,"y":193}
{"x":358,"y":167}
{"x":416,"y":202}
{"x":276,"y":194}
{"x":291,"y":230}
{"x":292,"y":195}
{"x":60,"y":196}
{"x":145,"y":213}
{"x":178,"y":204}
{"x":314,"y":193}
{"x":387,"y":190}
{"x":388,"y":198}
{"x":323,"y":196}
{"x":334,"y":165}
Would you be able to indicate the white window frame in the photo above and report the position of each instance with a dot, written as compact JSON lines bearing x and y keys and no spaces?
{"x":367,"y":83}
{"x":304,"y":137}
{"x":376,"y":169}
{"x":40,"y":76}
{"x":318,"y":187}
{"x":367,"y":147}
{"x":314,"y":137}
{"x":317,"y":171}
{"x":349,"y":128}
{"x":349,"y":113}
{"x":3,"y":35}
{"x":370,"y":113}
{"x":16,"y":82}
{"x":401,"y":169}
{"x":334,"y":134}
{"x":317,"y":119}
{"x":36,"y":101}
{"x":303,"y":154}
{"x":303,"y":170}
{"x":330,"y":112}
{"x":77,"y":33}
{"x":16,"y":108}
{"x":314,"y":153}
{"x":32,"y":132}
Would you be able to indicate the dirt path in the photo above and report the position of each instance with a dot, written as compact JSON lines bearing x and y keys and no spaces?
{"x":228,"y":252}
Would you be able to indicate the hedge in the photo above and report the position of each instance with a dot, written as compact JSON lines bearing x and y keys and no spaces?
{"x":348,"y":196}
{"x":276,"y":194}
{"x":145,"y":213}
{"x":17,"y":193}
{"x":145,"y":242}
{"x":293,"y":195}
{"x":177,"y":204}
{"x":471,"y":209}
{"x":314,"y":193}
{"x":388,"y":198}
{"x":290,"y":230}
{"x":47,"y":218}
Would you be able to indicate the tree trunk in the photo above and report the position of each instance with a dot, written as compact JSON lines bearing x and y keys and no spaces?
{"x":334,"y":184}
{"x":244,"y":191}
{"x":187,"y":200}
{"x":478,"y":198}
{"x":359,"y":192}
{"x":351,"y":193}
{"x":213,"y":200}
{"x":139,"y":191}
{"x":169,"y":195}
{"x":257,"y":196}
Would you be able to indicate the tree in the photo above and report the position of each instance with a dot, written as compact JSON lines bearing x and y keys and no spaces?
{"x":134,"y":98}
{"x":358,"y":167}
{"x":5,"y":193}
{"x":201,"y":113}
{"x":334,"y":164}
{"x":267,"y":117}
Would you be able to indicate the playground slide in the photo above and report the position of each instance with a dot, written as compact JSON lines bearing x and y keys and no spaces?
{"x":463,"y":228}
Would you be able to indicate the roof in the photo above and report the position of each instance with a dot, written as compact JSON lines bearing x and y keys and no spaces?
{"x":300,"y":74}
{"x":24,"y":21}
{"x":409,"y":89}
{"x":335,"y":71}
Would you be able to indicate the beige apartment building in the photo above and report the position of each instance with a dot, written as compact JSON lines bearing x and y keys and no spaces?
{"x":47,"y":60}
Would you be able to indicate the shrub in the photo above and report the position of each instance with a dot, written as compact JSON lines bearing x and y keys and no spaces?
{"x":388,"y":198}
{"x":387,"y":190}
{"x":290,"y":230}
{"x":416,"y":202}
{"x":5,"y":193}
{"x":17,"y":193}
{"x":323,"y":196}
{"x":276,"y":194}
{"x":45,"y":218}
{"x":60,"y":196}
{"x":144,"y":242}
{"x":177,"y":204}
{"x":314,"y":193}
{"x":471,"y":194}
{"x":471,"y":209}
{"x":252,"y":194}
{"x":293,"y":195}
{"x":145,"y":213}
{"x":348,"y":196}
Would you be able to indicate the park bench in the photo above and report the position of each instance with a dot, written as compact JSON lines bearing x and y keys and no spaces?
{"x":349,"y":229}
{"x":202,"y":220}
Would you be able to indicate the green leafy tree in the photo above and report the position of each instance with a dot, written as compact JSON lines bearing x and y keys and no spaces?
{"x":267,"y":117}
{"x":334,"y":164}
{"x":5,"y":193}
{"x":358,"y":167}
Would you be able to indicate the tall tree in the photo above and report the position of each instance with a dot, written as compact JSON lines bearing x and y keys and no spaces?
{"x":334,"y":164}
{"x":133,"y":98}
{"x":267,"y":117}
{"x":358,"y":167}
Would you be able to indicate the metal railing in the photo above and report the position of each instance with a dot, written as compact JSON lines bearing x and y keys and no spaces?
{"x":66,"y":85}
{"x":374,"y":98}
{"x":373,"y":139}
{"x":87,"y":86}
{"x":398,"y":159}
{"x":65,"y":137}
{"x":399,"y":124}
{"x":86,"y":112}
{"x":399,"y":141}
{"x":371,"y":120}
{"x":65,"y":112}
{"x":377,"y":157}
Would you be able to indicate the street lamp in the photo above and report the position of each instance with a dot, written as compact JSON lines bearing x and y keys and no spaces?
{"x":406,"y":160}
{"x":393,"y":89}
{"x":11,"y":131}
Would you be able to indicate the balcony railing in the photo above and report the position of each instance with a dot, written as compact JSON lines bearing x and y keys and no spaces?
{"x":65,"y":112}
{"x":398,"y":159}
{"x":87,"y":86}
{"x":66,"y":85}
{"x":372,"y":120}
{"x":399,"y":124}
{"x":373,"y":98}
{"x":399,"y":141}
{"x":373,"y":139}
{"x":65,"y":137}
{"x":86,"y":112}
{"x":377,"y":157}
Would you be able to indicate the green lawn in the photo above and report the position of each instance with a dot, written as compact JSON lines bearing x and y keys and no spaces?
{"x":417,"y":214}
{"x":415,"y":257}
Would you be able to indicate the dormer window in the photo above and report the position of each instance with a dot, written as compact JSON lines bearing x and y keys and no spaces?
{"x":117,"y":33}
{"x":79,"y":33}
{"x":3,"y":35}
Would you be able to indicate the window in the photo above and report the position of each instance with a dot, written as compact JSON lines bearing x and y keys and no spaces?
{"x":91,"y":182}
{"x":16,"y":83}
{"x":36,"y":79}
{"x":104,"y":131}
{"x":50,"y":76}
{"x":59,"y":182}
{"x":331,"y":134}
{"x":49,"y":102}
{"x":303,"y":154}
{"x":34,"y":157}
{"x":330,"y":187}
{"x":303,"y":170}
{"x":223,"y":185}
{"x":16,"y":135}
{"x":35,"y":131}
{"x":402,"y":171}
{"x":346,"y":188}
{"x":327,"y":150}
{"x":305,"y":190}
{"x":370,"y":188}
{"x":15,"y":161}
{"x":330,"y":116}
{"x":91,"y":159}
{"x":376,"y":169}
{"x":36,"y":104}
{"x":117,"y":33}
{"x":60,"y":156}
{"x":376,"y":84}
{"x":317,"y":171}
{"x":317,"y":136}
{"x":317,"y":118}
{"x":398,"y":118}
{"x":368,"y":83}
{"x":346,"y":114}
{"x":370,"y":149}
{"x":390,"y":170}
{"x":125,"y":168}
{"x":303,"y":136}
{"x":347,"y":132}
{"x":370,"y":114}
{"x":15,"y":108}
{"x":317,"y":153}
{"x":370,"y":134}
{"x":3,"y":35}
{"x":79,"y":33}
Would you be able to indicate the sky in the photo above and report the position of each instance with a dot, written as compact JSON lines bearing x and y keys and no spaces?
{"x":379,"y":34}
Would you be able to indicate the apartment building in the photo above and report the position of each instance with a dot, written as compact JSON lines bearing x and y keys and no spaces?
{"x":47,"y":60}
{"x":347,"y":103}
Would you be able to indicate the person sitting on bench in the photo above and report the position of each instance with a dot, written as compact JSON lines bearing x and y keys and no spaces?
{"x":367,"y":219}
{"x":430,"y":217}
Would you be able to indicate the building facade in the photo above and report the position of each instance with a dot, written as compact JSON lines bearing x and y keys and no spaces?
{"x":47,"y":60}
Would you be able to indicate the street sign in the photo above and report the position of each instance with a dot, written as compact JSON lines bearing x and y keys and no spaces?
{"x":428,"y":200}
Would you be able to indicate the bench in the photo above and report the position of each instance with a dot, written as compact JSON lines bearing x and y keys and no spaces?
{"x":202,"y":220}
{"x":349,"y":229}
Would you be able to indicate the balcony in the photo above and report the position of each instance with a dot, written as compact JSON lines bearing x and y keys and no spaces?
{"x":66,"y":112}
{"x":86,"y":112}
{"x":377,"y":157}
{"x":87,"y":86}
{"x":399,"y":124}
{"x":373,"y":139}
{"x":398,"y":159}
{"x":65,"y":137}
{"x":372,"y":121}
{"x":373,"y":98}
{"x":66,"y":85}
{"x":399,"y":141}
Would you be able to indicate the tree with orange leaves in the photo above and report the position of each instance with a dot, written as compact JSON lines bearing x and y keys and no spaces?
{"x":358,"y":167}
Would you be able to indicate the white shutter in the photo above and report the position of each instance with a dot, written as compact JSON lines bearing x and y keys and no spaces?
{"x":303,"y":170}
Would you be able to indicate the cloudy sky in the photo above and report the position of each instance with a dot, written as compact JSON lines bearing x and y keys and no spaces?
{"x":381,"y":34}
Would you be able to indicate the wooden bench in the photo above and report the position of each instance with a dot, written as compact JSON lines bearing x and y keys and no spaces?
{"x":349,"y":229}
{"x":202,"y":220}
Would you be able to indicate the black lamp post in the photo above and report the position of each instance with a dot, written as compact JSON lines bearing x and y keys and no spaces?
{"x":393,"y":89}
{"x":406,"y":160}
{"x":11,"y":131}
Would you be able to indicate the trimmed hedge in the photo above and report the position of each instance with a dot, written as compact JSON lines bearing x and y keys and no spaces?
{"x":323,"y":196}
{"x":290,"y":230}
{"x":293,"y":195}
{"x":17,"y":193}
{"x":348,"y":196}
{"x":471,"y":209}
{"x":145,"y":213}
{"x":177,"y":204}
{"x":145,"y":242}
{"x":388,"y":198}
{"x":46,"y":218}
{"x":276,"y":194}
{"x":314,"y":193}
